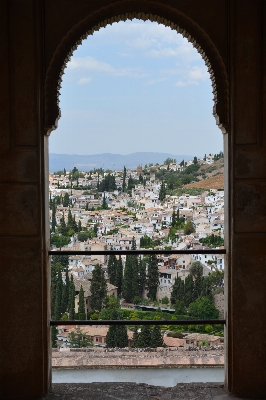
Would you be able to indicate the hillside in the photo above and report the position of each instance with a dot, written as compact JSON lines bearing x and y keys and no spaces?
{"x":212,"y":176}
{"x":57,"y":162}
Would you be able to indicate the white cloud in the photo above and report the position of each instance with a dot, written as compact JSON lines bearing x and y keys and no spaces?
{"x":83,"y":81}
{"x":99,"y":67}
{"x":197,"y":74}
{"x":153,"y":81}
{"x":180,"y":83}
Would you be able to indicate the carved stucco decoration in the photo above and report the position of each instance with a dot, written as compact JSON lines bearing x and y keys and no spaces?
{"x":121,"y":11}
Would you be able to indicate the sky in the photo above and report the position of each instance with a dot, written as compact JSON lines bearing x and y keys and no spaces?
{"x":136,"y":86}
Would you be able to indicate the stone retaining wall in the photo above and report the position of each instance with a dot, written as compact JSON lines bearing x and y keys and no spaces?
{"x":139,"y":358}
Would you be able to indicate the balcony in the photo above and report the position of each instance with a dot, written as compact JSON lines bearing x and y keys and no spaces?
{"x":163,"y":367}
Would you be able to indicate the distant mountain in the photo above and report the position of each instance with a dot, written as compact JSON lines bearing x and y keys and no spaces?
{"x":108,"y":161}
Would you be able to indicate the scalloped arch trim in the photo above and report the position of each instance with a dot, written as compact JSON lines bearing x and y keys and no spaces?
{"x":200,"y":40}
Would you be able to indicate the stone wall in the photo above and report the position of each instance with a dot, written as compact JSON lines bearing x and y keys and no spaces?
{"x":137,"y":358}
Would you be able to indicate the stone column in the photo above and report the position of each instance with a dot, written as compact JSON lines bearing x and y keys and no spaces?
{"x":24,"y":367}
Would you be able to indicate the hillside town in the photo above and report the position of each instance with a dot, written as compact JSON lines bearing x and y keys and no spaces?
{"x":151,"y":207}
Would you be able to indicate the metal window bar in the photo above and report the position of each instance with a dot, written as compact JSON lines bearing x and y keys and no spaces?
{"x":137,"y":322}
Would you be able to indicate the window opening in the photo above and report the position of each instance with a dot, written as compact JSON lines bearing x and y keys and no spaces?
{"x":100,"y":203}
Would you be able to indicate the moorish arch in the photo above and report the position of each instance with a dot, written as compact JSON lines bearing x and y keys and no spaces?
{"x":145,"y":10}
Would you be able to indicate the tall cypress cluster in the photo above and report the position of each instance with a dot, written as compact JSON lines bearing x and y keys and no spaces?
{"x":148,"y":337}
{"x":117,"y":335}
{"x":152,"y":277}
{"x":98,"y":288}
{"x":60,"y":293}
{"x":130,"y":286}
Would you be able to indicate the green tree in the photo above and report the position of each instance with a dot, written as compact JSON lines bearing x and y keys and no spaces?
{"x":65,"y":293}
{"x":78,"y":339}
{"x":54,"y":337}
{"x":156,"y":337}
{"x":79,"y":226}
{"x":165,"y":300}
{"x":119,"y":276}
{"x":104,"y":203}
{"x":58,"y":296}
{"x":53,"y":216}
{"x":195,"y":160}
{"x":141,"y":276}
{"x":196,"y":269}
{"x":162,"y":192}
{"x":179,"y":307}
{"x":63,"y":228}
{"x":66,"y":200}
{"x":216,"y":281}
{"x":144,"y":339}
{"x":130,"y":286}
{"x":117,"y":335}
{"x":111,"y":269}
{"x":198,"y":286}
{"x":124,"y":180}
{"x":63,"y":260}
{"x":146,"y":242}
{"x":152,"y":282}
{"x":189,"y":227}
{"x":98,"y":288}
{"x":189,"y":290}
{"x":203,"y":308}
{"x":81,"y":308}
{"x":178,"y":291}
{"x":71,"y":299}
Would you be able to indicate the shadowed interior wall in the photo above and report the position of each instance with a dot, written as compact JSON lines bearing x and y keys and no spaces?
{"x":35,"y":37}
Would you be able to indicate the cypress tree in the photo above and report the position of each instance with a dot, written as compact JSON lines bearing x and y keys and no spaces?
{"x":152,"y":277}
{"x":63,"y":228}
{"x":117,"y":335}
{"x":54,"y":337}
{"x":81,"y":308}
{"x":130,"y":286}
{"x":66,"y":200}
{"x":111,"y":337}
{"x":177,"y":291}
{"x":121,"y":336}
{"x":79,"y":226}
{"x":53,"y":216}
{"x":87,"y":207}
{"x":69,"y":220}
{"x":189,"y":290}
{"x":119,"y":275}
{"x":124,"y":180}
{"x":174,"y":219}
{"x":74,"y":224}
{"x":65,"y":294}
{"x":71,"y":299}
{"x":111,"y":268}
{"x":98,"y":288}
{"x":197,"y":287}
{"x":58,"y":296}
{"x":141,"y":277}
{"x":104,"y":203}
{"x":63,"y":260}
{"x":53,"y":287}
{"x":162,"y":192}
{"x":144,"y":339}
{"x":156,"y":337}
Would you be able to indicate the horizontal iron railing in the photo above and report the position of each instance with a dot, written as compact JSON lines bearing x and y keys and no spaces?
{"x":131,"y":252}
{"x":140,"y":322}
{"x":136,"y":322}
